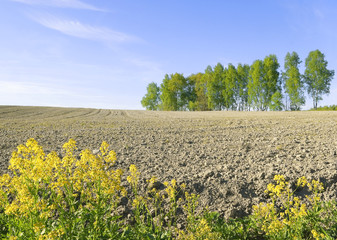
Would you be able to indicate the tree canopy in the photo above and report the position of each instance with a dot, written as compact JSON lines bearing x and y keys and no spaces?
{"x":317,"y":76}
{"x":259,"y":86}
{"x":293,"y":81}
{"x":151,"y":99}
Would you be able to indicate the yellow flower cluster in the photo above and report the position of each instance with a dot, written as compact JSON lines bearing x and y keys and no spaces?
{"x":271,"y":224}
{"x":280,"y":187}
{"x":201,"y":231}
{"x":302,"y":182}
{"x":41,"y":184}
{"x":316,"y":187}
{"x":171,"y":189}
{"x":152,"y":180}
{"x":316,"y":235}
{"x":133,"y":179}
{"x":138,"y":201}
{"x":273,"y":219}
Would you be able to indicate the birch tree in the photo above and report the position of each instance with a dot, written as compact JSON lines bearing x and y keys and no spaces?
{"x":293,"y":81}
{"x":316,"y":76}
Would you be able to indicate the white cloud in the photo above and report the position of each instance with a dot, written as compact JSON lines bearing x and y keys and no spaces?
{"x":77,"y":29}
{"x":61,"y":4}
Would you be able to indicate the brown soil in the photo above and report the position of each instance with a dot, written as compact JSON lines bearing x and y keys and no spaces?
{"x":226,"y":157}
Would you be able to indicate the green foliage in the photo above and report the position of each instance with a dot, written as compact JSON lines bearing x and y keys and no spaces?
{"x":215,"y":86}
{"x":169,"y":102}
{"x":293,"y":81}
{"x":241,"y":86}
{"x":325,"y":108}
{"x":276,"y":103}
{"x":174,"y":95}
{"x":270,"y":78}
{"x":201,"y":101}
{"x":258,"y":87}
{"x":230,"y":91}
{"x":191,"y":96}
{"x":317,"y":77}
{"x":198,"y":101}
{"x":255,"y":88}
{"x":151,"y":99}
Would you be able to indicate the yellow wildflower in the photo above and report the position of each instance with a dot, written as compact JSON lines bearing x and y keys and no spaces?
{"x":134,"y":177}
{"x":104,"y":148}
{"x":302,"y":181}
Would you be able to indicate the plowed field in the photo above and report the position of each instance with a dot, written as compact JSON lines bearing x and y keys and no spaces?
{"x":226,"y":157}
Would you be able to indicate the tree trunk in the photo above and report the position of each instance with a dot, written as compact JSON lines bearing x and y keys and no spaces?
{"x":315,"y":103}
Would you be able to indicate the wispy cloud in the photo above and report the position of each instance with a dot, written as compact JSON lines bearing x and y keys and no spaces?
{"x":61,"y":4}
{"x":78,"y":29}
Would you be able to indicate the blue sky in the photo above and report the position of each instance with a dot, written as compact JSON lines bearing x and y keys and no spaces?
{"x":103,"y":53}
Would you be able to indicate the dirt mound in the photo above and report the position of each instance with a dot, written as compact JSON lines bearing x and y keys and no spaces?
{"x":226,"y":157}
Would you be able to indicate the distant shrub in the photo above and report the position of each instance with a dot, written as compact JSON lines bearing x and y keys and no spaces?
{"x":325,"y":108}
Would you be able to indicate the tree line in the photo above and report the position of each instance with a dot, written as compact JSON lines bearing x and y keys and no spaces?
{"x":259,"y":86}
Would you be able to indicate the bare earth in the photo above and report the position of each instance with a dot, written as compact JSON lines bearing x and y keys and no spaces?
{"x":226,"y":157}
